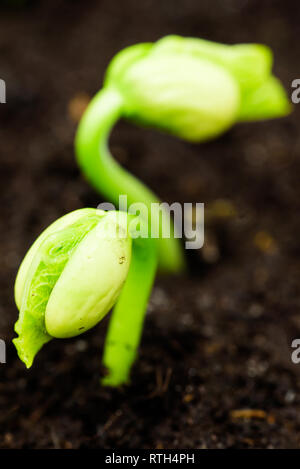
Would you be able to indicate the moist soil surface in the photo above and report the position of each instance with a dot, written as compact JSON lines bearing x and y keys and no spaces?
{"x":214,"y":368}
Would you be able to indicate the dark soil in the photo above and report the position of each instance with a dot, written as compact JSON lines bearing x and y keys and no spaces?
{"x":215,"y":367}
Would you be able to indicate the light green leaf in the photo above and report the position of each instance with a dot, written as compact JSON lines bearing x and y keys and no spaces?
{"x":44,"y":271}
{"x":264,"y":102}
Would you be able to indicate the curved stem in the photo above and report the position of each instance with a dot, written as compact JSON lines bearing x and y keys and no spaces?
{"x":106,"y":175}
{"x":126,"y":324}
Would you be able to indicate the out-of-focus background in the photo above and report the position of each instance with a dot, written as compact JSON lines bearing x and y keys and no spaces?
{"x":215,"y":367}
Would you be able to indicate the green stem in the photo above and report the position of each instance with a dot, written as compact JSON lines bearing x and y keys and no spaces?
{"x":106,"y":175}
{"x":126,"y":324}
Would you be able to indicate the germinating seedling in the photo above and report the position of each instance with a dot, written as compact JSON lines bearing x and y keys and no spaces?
{"x":90,"y":260}
{"x":75,"y":272}
{"x":191,"y":88}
